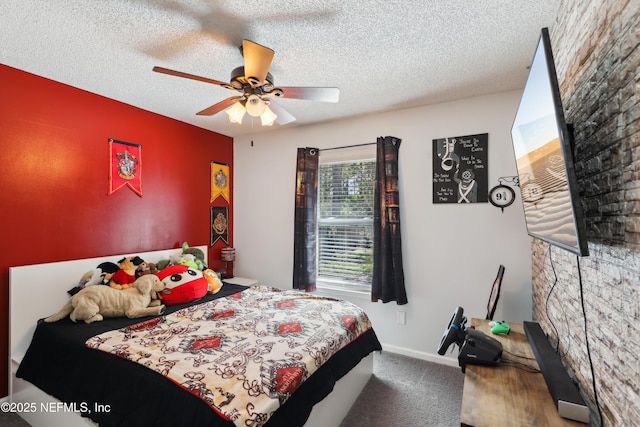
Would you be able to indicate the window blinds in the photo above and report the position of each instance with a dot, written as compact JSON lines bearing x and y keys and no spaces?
{"x":345,"y":222}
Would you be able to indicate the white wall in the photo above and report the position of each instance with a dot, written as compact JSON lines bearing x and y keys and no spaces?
{"x":451,"y":252}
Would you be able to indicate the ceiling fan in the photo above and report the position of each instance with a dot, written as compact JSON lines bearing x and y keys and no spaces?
{"x":256,"y":87}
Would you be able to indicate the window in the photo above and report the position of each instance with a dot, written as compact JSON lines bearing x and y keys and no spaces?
{"x":345,"y":223}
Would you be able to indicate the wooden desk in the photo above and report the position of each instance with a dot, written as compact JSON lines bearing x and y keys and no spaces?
{"x":504,"y":395}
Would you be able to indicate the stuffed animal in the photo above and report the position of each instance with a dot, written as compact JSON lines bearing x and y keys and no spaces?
{"x":189,"y":260}
{"x":163,"y":263}
{"x":215,"y":284}
{"x":146,"y":268}
{"x":100,"y":276}
{"x":198,"y":254}
{"x":94,"y":303}
{"x":126,"y":275}
{"x":182,"y":284}
{"x":191,"y":257}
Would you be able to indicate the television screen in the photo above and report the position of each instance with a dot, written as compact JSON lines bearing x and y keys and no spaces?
{"x":542,"y":145}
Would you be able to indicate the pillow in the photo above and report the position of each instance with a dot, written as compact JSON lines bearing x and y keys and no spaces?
{"x":182,"y":284}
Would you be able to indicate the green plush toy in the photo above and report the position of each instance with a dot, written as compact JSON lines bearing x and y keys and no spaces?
{"x":191,"y":257}
{"x":162,"y":264}
{"x":198,"y":257}
{"x":189,"y":260}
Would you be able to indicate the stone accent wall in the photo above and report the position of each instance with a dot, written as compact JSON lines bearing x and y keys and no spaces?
{"x":597,"y":54}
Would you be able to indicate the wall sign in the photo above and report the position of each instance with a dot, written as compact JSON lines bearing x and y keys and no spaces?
{"x":125,"y":166}
{"x":460,"y":172}
{"x":219,"y":224}
{"x":501,"y":196}
{"x":220,"y":181}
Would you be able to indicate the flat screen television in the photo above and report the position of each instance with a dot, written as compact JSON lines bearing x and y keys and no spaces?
{"x":543,"y":147}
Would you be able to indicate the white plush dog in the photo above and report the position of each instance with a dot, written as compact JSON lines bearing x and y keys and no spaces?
{"x":94,"y":303}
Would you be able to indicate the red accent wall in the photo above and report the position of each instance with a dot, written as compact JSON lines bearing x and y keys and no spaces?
{"x":54,"y":160}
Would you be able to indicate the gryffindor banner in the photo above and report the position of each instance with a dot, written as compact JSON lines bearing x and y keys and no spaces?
{"x":125,"y":168}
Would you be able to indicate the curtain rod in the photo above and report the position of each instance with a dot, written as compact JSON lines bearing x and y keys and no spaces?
{"x":348,"y":146}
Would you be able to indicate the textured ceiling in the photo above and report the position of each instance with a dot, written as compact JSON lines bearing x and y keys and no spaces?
{"x":383,"y":55}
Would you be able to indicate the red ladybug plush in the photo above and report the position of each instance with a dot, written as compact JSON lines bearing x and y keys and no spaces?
{"x":182,"y":284}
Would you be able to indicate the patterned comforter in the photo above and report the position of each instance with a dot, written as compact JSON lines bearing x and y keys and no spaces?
{"x":243,"y":354}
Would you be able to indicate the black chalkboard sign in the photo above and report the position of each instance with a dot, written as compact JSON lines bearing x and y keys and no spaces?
{"x":460,"y":172}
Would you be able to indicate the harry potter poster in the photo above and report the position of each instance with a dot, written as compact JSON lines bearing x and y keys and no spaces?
{"x":460,"y":172}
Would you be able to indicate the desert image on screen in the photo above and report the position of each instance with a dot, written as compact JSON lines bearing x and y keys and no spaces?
{"x":545,"y":193}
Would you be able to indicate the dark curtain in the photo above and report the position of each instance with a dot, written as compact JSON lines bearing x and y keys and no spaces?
{"x":388,"y":274}
{"x":304,"y":240}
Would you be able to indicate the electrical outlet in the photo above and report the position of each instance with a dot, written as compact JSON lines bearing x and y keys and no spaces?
{"x":402,"y":317}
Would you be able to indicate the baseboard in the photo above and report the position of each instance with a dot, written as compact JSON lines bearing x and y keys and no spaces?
{"x":429,"y":357}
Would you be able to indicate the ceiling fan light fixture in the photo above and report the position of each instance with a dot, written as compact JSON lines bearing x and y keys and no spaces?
{"x":237,"y":78}
{"x":276,"y":91}
{"x":268,"y":116}
{"x":256,"y":86}
{"x":236,"y":112}
{"x":255,"y":106}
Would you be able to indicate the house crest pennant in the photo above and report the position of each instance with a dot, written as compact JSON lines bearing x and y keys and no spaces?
{"x":219,"y":181}
{"x":219,"y":224}
{"x":125,"y":168}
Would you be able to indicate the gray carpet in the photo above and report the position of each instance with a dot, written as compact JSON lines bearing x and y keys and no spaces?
{"x":8,"y":419}
{"x":403,"y":392}
{"x":408,"y":392}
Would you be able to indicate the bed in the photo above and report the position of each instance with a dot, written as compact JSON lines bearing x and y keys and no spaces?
{"x":57,"y":379}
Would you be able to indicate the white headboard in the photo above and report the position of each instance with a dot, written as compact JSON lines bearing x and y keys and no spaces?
{"x":39,"y":290}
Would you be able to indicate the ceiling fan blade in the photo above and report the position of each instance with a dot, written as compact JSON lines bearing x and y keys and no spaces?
{"x":257,"y":60}
{"x":188,"y":76}
{"x":216,"y":108}
{"x":284,"y":116}
{"x":322,"y":94}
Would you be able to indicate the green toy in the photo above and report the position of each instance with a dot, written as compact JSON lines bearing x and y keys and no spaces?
{"x":500,"y":328}
{"x":198,"y":257}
